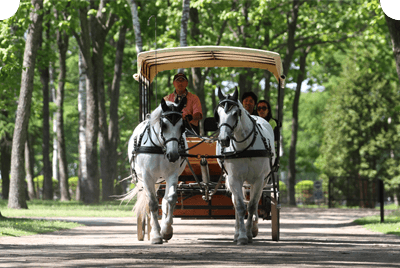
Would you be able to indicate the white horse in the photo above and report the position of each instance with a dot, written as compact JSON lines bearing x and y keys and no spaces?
{"x":241,"y":135}
{"x":153,"y":152}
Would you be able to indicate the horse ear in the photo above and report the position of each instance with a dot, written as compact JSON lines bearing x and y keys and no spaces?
{"x":235,"y":94}
{"x":182,"y":104}
{"x":164,"y":105}
{"x":220,"y":95}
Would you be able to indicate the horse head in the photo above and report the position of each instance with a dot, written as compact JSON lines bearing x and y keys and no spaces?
{"x":227,"y":115}
{"x":172,"y":128}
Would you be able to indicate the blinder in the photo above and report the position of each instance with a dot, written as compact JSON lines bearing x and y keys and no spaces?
{"x":227,"y":104}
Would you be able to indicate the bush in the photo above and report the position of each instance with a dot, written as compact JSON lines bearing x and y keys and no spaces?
{"x":304,"y":191}
{"x":39,"y":179}
{"x":73,"y":184}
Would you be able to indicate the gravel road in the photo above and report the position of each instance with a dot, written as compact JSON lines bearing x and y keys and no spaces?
{"x":308,"y":238}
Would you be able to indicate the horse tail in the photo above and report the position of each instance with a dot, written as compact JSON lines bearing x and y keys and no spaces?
{"x":141,"y":207}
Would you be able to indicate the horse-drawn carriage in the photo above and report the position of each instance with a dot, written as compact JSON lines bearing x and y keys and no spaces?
{"x":240,"y":155}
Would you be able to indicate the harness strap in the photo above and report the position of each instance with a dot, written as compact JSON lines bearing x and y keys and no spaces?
{"x":149,"y":150}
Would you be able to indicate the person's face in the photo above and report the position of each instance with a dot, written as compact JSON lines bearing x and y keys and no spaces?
{"x":248,"y":104}
{"x":180,"y":85}
{"x":262,"y":109}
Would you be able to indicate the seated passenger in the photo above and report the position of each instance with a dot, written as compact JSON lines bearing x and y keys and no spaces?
{"x":249,"y":100}
{"x":264,"y":111}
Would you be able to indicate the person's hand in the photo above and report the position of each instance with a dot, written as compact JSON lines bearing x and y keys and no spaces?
{"x":188,"y":117}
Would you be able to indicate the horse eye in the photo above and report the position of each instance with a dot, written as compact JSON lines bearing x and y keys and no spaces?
{"x":163,"y":126}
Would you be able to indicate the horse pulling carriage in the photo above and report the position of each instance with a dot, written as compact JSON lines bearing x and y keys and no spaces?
{"x":204,"y":177}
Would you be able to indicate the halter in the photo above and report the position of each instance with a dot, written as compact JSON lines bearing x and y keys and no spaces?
{"x":226,"y":103}
{"x":252,"y":132}
{"x":168,"y":115}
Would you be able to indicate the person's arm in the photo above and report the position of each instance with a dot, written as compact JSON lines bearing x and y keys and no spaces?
{"x":197,"y":111}
{"x":197,"y":116}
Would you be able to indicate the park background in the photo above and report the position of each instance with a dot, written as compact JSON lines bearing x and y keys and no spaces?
{"x":67,"y":66}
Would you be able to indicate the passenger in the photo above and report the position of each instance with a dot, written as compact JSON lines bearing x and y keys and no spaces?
{"x":264,"y":111}
{"x":249,"y":100}
{"x":192,"y":111}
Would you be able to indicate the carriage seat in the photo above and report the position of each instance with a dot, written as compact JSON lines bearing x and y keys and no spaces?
{"x":210,"y":124}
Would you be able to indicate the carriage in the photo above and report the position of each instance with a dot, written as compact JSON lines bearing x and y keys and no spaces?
{"x":202,"y":191}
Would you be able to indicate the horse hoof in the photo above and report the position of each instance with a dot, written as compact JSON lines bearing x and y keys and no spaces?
{"x":254,"y":231}
{"x":235,"y":238}
{"x":167,"y":236}
{"x":242,"y":241}
{"x":249,"y":240}
{"x":157,"y":240}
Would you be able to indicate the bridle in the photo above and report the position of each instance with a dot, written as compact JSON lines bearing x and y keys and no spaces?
{"x":169,"y":116}
{"x":227,"y":104}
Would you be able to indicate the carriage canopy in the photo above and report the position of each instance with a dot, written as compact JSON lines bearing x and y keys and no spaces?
{"x":150,"y":63}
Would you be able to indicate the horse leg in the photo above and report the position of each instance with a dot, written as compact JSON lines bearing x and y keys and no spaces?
{"x":153,"y":206}
{"x":240,"y":211}
{"x":168,"y":206}
{"x":252,"y":209}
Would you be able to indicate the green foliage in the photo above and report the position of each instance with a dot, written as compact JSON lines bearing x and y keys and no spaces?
{"x":304,"y":191}
{"x":73,"y":184}
{"x":38,"y":182}
{"x":361,"y":129}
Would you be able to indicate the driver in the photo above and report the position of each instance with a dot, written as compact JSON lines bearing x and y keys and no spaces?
{"x":192,"y":111}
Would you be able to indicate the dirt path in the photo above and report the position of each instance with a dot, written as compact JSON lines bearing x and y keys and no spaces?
{"x":309,"y":238}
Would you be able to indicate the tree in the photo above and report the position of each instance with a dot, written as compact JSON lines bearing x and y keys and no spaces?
{"x":136,"y":26}
{"x":292,"y":152}
{"x":45,"y":79}
{"x":360,"y":129}
{"x":394,"y":30}
{"x":62,"y":43}
{"x":17,"y":198}
{"x":90,"y":186}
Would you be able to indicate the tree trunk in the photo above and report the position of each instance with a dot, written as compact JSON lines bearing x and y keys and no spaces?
{"x":115,"y":86}
{"x":82,"y":129}
{"x":5,"y":153}
{"x":100,"y":26}
{"x":17,"y":198}
{"x":198,"y":80}
{"x":394,"y":30}
{"x":29,"y":169}
{"x":136,"y":26}
{"x":90,"y":186}
{"x":45,"y":79}
{"x":62,"y":42}
{"x":295,"y":127}
{"x":292,"y":17}
{"x":184,"y":24}
{"x":55,"y":150}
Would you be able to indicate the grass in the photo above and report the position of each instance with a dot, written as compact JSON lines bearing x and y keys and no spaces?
{"x":391,"y":225}
{"x":47,"y":208}
{"x":23,"y":227}
{"x":15,"y":223}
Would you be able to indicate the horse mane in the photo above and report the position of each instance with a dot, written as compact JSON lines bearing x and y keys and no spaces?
{"x":244,"y":114}
{"x":156,"y":114}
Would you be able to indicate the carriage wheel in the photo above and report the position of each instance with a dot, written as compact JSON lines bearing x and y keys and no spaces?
{"x":274,"y":219}
{"x":141,"y":227}
{"x":148,"y":227}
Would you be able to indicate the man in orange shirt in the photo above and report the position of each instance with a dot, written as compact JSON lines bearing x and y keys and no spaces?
{"x":192,"y":111}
